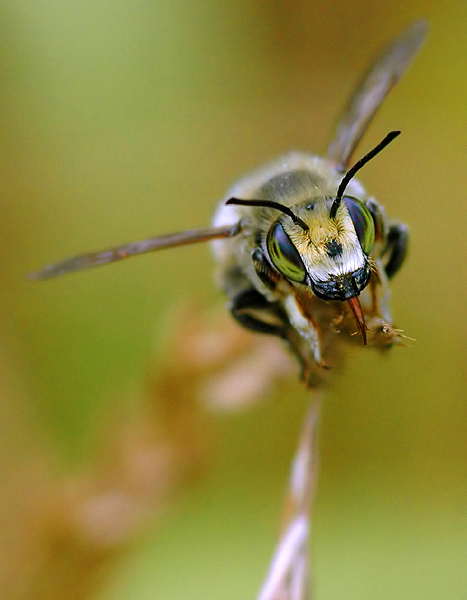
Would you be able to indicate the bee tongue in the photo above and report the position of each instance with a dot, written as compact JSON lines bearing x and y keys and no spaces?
{"x":359,"y":316}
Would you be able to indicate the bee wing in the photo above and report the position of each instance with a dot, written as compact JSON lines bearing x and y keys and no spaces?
{"x":93,"y":259}
{"x":383,"y":74}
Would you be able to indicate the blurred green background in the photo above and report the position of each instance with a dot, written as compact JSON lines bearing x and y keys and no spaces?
{"x":122,"y":120}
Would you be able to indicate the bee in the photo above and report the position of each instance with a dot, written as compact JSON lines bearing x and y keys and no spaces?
{"x":303,"y":251}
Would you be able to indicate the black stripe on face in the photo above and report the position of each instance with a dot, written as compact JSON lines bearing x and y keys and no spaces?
{"x":333,"y":248}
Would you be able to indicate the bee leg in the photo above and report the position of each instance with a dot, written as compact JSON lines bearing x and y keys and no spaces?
{"x":252,"y":300}
{"x":263,"y":270}
{"x":396,"y":246}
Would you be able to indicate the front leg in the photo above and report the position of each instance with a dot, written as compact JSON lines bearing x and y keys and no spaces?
{"x":306,"y":339}
{"x":396,"y":246}
{"x":252,"y":310}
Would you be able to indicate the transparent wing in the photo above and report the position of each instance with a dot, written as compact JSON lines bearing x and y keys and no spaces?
{"x":383,"y":74}
{"x":93,"y":259}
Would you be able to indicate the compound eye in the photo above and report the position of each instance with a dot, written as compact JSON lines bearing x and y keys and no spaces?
{"x":363,"y":222}
{"x":284,"y":255}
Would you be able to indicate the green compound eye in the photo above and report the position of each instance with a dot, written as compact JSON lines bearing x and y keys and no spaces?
{"x":284,"y":255}
{"x":363,"y":223}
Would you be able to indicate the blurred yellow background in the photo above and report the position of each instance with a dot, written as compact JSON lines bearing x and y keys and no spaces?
{"x":123,"y":120}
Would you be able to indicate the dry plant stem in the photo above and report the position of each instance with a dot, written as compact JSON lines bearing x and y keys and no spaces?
{"x":61,"y":534}
{"x":289,"y":571}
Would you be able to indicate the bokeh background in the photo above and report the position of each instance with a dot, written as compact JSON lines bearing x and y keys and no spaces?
{"x":122,"y":120}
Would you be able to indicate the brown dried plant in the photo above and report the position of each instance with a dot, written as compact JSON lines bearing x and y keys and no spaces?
{"x":62,"y":534}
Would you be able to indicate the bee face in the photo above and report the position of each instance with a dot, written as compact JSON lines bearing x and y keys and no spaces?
{"x":330,"y":256}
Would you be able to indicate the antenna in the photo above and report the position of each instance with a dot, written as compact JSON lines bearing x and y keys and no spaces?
{"x":357,"y":166}
{"x":271,"y":204}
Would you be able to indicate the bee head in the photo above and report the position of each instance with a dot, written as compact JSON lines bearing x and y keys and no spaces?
{"x":327,"y":251}
{"x":330,"y":256}
{"x":324,"y":244}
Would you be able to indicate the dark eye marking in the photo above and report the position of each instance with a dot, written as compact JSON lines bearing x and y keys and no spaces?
{"x":333,"y":248}
{"x":284,"y":255}
{"x":363,"y":222}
